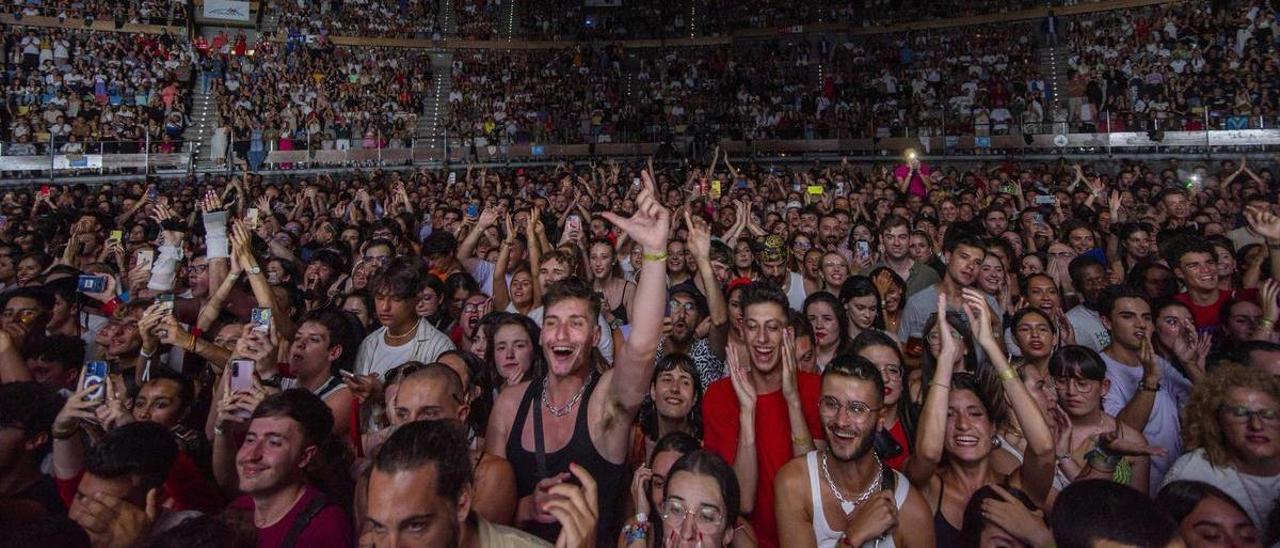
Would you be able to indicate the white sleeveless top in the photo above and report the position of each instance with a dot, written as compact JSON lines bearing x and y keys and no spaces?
{"x":795,"y":292}
{"x":828,"y":538}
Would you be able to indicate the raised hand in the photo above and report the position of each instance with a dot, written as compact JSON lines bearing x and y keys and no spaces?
{"x":112,"y":522}
{"x":576,"y":508}
{"x":488,"y":217}
{"x":699,"y":239}
{"x":790,"y":387}
{"x":1263,"y":221}
{"x":740,"y":376}
{"x":872,"y":520}
{"x":650,"y":224}
{"x":979,"y":313}
{"x":950,"y":349}
{"x":1014,"y":517}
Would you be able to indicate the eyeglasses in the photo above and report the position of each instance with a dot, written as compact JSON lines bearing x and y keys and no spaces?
{"x":891,"y":372}
{"x":198,"y":268}
{"x":858,"y":410}
{"x":1240,"y":414}
{"x":677,"y":305}
{"x":708,"y":518}
{"x":1081,"y":386}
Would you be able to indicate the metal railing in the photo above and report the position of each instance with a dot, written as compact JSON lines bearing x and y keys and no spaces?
{"x":18,"y":160}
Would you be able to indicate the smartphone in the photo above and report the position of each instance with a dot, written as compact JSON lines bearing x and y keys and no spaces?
{"x":44,"y":191}
{"x":95,"y":375}
{"x":473,"y":211}
{"x":453,"y":177}
{"x":1046,"y":199}
{"x":715,"y":189}
{"x":241,"y":375}
{"x":145,"y":258}
{"x":839,"y":188}
{"x":1039,"y":218}
{"x":153,"y":193}
{"x":116,"y":235}
{"x":635,"y":183}
{"x":261,"y":319}
{"x":864,"y":248}
{"x":4,"y":222}
{"x":815,"y":190}
{"x":573,"y":223}
{"x":166,"y":303}
{"x":91,"y":284}
{"x":251,"y":217}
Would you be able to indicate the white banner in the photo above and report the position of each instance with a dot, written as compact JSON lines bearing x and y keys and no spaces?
{"x":77,"y":161}
{"x":233,"y":10}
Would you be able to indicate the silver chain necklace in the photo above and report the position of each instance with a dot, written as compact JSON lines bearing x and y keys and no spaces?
{"x":848,"y":506}
{"x":559,"y":410}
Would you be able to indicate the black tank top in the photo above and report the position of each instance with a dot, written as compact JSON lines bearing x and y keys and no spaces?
{"x":580,"y":450}
{"x":944,"y":534}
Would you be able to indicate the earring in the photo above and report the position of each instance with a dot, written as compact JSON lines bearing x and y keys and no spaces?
{"x":995,"y":442}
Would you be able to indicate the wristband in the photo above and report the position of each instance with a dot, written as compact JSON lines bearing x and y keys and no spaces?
{"x":1006,"y":375}
{"x":65,"y":433}
{"x":802,"y":439}
{"x":1144,"y":387}
{"x":655,"y":257}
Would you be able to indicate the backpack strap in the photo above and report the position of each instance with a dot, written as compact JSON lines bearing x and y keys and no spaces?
{"x":304,"y":519}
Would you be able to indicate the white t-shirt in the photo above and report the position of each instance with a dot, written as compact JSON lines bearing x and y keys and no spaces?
{"x":1256,"y":494}
{"x":1088,"y":326}
{"x":1163,"y":427}
{"x":376,"y":356}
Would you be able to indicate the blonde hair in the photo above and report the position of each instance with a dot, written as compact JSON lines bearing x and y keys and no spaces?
{"x":1201,"y":428}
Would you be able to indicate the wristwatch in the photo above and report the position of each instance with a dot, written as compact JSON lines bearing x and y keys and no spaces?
{"x":1142,"y":385}
{"x":255,"y":270}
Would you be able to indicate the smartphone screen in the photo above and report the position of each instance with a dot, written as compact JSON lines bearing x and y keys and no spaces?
{"x":95,"y":375}
{"x":241,"y":375}
{"x":145,"y":257}
{"x":261,"y":318}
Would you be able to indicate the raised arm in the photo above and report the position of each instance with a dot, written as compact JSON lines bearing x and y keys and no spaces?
{"x":501,"y":294}
{"x":1037,"y":467}
{"x":467,"y":248}
{"x":1267,"y":224}
{"x":933,"y":416}
{"x":633,"y":366}
{"x":699,"y":243}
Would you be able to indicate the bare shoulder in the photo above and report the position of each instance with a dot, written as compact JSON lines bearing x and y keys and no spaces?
{"x":509,"y":399}
{"x":793,"y":475}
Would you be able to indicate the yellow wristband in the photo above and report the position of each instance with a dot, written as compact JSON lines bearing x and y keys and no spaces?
{"x":1006,"y":375}
{"x":655,"y":257}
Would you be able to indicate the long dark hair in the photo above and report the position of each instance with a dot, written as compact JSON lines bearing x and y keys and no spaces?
{"x":862,"y":286}
{"x":842,"y":317}
{"x":648,"y":417}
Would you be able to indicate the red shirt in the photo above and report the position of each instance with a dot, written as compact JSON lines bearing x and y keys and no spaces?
{"x":773,"y":438}
{"x":1210,"y":317}
{"x":329,"y":528}
{"x":899,"y":435}
{"x":185,"y":488}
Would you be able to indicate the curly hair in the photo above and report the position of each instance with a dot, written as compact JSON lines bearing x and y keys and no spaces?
{"x":1200,"y":425}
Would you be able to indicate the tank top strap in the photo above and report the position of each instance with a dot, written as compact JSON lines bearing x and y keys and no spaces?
{"x":582,"y":426}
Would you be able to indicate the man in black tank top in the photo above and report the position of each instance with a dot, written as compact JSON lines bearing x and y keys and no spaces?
{"x":574,"y":414}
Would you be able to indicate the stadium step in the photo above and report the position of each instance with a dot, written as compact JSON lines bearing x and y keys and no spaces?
{"x":1054,"y":69}
{"x":448,"y":19}
{"x":431,"y":123}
